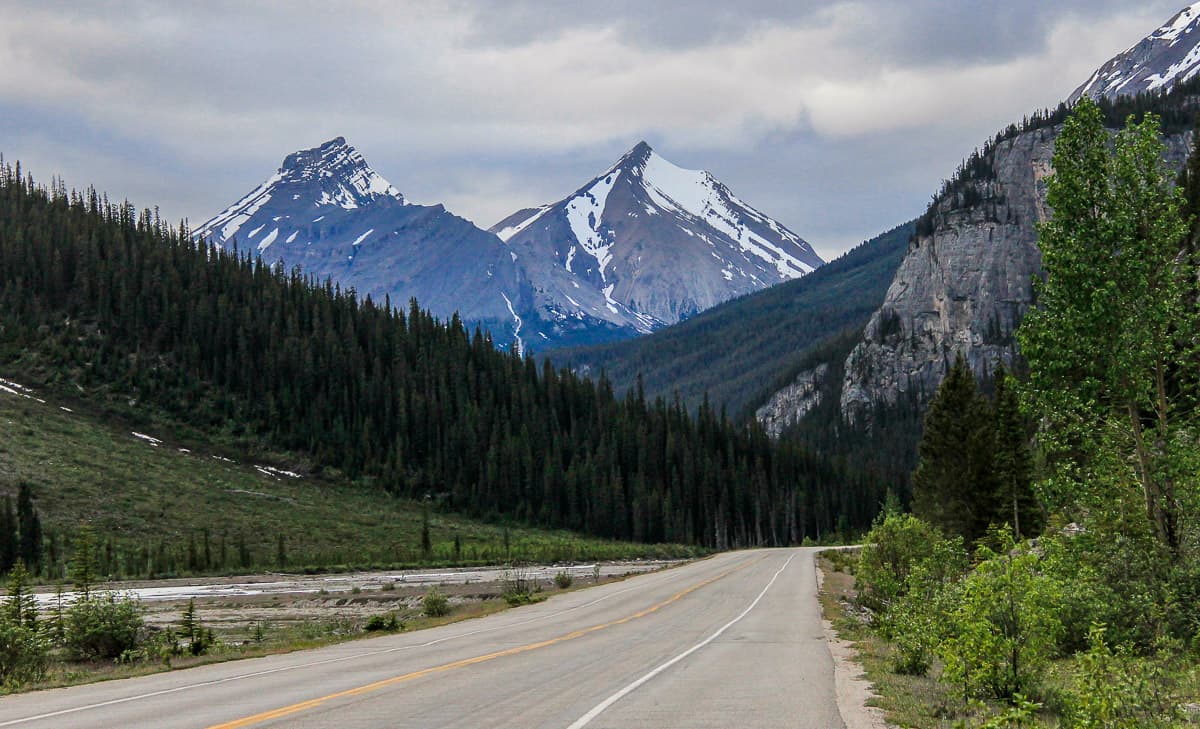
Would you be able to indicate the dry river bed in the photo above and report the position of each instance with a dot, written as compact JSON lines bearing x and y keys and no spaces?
{"x":234,"y":606}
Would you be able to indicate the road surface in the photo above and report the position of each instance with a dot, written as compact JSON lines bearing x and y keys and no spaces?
{"x":732,"y":641}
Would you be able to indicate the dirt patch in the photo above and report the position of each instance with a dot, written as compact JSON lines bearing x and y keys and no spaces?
{"x":854,"y":691}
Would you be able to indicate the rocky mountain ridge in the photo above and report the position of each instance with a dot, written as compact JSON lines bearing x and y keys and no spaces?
{"x":1169,"y":55}
{"x":657,"y":242}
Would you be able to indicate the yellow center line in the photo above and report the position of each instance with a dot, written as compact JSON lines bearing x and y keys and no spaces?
{"x":368,"y":688}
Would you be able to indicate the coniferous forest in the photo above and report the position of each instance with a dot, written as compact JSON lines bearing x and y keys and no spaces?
{"x":98,"y":298}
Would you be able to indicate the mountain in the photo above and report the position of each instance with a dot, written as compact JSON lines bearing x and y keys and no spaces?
{"x":739,"y":352}
{"x":647,"y":244}
{"x":1167,"y":56}
{"x":966,"y":281}
{"x":328,"y":212}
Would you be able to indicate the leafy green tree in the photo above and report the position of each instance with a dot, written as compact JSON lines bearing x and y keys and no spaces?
{"x":1113,"y":326}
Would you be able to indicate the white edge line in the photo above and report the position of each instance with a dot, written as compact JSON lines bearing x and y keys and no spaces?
{"x":600,"y":707}
{"x":340,"y":659}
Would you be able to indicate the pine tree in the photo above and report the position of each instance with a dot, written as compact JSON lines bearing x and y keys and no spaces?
{"x":9,"y":541}
{"x":1015,"y":500}
{"x":30,"y":528}
{"x":83,"y":564}
{"x":954,"y":483}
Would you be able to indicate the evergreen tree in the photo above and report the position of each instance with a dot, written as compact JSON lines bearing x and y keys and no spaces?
{"x":9,"y":542}
{"x":83,"y":564}
{"x":954,"y":484}
{"x":30,"y":526}
{"x":1015,"y":500}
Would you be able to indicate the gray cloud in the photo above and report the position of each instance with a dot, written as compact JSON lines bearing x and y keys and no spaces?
{"x":839,"y":118}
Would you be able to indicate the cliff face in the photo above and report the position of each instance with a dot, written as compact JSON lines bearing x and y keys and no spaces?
{"x":965,"y":281}
{"x":789,"y":405}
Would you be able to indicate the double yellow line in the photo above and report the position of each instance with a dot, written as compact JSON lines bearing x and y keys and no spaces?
{"x":368,"y":688}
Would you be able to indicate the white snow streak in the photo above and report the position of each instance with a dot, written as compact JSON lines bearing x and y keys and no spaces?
{"x":519,"y":324}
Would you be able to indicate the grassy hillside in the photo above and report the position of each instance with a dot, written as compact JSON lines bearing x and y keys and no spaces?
{"x":742,"y":351}
{"x":150,"y":505}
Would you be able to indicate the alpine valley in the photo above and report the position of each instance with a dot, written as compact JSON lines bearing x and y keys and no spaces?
{"x":643,"y":245}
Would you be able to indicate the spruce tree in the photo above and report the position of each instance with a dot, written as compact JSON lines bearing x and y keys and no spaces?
{"x":30,"y":527}
{"x":954,"y":483}
{"x":9,"y":542}
{"x":1015,"y":501}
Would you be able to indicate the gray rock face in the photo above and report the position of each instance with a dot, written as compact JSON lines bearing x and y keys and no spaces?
{"x":328,"y":212}
{"x":646,"y":244}
{"x":1168,"y":56}
{"x":963,"y":288}
{"x":789,"y":405}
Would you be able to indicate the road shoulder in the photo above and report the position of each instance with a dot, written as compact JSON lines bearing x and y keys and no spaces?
{"x":854,"y":691}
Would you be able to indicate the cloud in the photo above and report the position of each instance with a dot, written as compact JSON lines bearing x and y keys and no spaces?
{"x":808,"y":109}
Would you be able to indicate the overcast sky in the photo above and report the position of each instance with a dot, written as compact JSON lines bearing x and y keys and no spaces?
{"x":839,"y":119}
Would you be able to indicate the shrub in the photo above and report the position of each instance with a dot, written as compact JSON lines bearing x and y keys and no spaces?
{"x":916,"y":621}
{"x":103,"y":626}
{"x":23,"y":654}
{"x":1005,"y":626}
{"x":1115,"y":690}
{"x":435,"y":604}
{"x":517,"y":587}
{"x":563,"y":580}
{"x":386,"y":622}
{"x":893,"y":546}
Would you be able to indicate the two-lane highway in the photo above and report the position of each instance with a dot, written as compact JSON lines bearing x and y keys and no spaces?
{"x":732,"y":641}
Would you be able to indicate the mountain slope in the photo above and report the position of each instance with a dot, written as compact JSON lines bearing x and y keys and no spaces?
{"x":965,"y":283}
{"x":328,"y":212}
{"x":1169,"y":55}
{"x":741,"y":351}
{"x":647,"y":244}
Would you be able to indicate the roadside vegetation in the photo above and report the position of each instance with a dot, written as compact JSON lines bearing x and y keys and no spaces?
{"x":1054,"y":580}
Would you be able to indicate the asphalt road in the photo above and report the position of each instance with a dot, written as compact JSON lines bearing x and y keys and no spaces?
{"x":732,"y":641}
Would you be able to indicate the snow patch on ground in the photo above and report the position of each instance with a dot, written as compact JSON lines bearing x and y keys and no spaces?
{"x":148,"y":438}
{"x":362,"y":237}
{"x":276,"y":472}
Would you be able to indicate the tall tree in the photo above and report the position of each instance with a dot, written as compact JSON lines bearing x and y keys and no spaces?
{"x":29,"y":525}
{"x":1015,"y":500}
{"x":1113,"y":324}
{"x":954,"y":484}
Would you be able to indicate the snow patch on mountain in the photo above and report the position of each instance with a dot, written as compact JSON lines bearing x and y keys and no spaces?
{"x":1168,"y":56}
{"x":584,"y":213}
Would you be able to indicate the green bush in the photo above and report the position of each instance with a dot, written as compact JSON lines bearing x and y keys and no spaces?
{"x":563,"y":579}
{"x":1116,"y":690}
{"x":103,"y":626}
{"x":892,"y":547}
{"x":435,"y":604}
{"x":23,"y":654}
{"x":1005,"y":626}
{"x":386,"y":622}
{"x":916,"y":621}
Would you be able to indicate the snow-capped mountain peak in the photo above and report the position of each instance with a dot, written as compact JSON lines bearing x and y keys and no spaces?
{"x":333,"y":174}
{"x":1169,"y":55}
{"x":658,"y":241}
